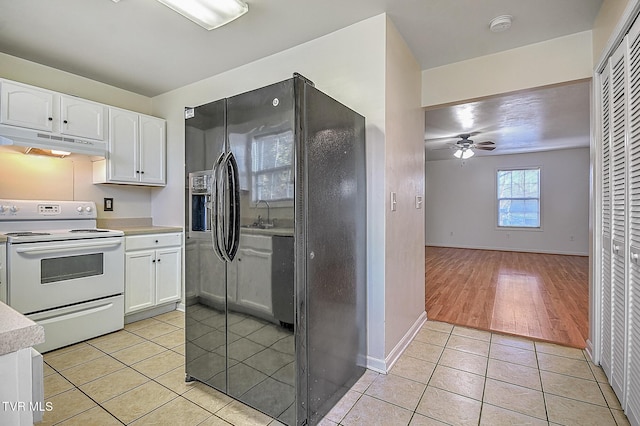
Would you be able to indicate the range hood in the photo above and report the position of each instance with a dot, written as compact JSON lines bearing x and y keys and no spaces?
{"x":17,"y":136}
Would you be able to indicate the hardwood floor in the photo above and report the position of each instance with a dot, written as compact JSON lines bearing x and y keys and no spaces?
{"x":541,"y":296}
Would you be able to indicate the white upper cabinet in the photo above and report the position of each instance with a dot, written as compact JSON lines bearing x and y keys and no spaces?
{"x":135,"y":143}
{"x":152,"y":150}
{"x":26,"y":106}
{"x":40,"y":109}
{"x":137,"y":149}
{"x":82,"y":118}
{"x":123,"y":146}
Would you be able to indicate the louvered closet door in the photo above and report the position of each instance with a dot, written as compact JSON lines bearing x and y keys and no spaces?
{"x":633,"y":340}
{"x":618,"y":219}
{"x":605,"y":325}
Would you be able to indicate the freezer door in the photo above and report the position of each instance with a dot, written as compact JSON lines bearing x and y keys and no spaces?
{"x":205,"y":273}
{"x":261,"y":352}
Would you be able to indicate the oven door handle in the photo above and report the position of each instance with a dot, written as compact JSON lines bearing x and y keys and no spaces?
{"x":58,"y":248}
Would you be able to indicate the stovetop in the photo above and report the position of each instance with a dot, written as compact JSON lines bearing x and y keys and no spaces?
{"x":26,"y":221}
{"x":16,"y":237}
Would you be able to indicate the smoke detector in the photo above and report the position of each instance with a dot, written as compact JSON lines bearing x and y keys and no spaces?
{"x":500,"y":23}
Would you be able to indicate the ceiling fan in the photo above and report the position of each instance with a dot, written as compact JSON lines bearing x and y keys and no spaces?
{"x":464,"y":147}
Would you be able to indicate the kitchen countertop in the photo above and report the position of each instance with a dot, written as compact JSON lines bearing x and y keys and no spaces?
{"x":135,"y":226}
{"x":142,"y":230}
{"x":3,"y":239}
{"x":17,"y":331}
{"x":284,"y":232}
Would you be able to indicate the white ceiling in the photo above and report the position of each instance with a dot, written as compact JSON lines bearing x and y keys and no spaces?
{"x":144,"y":47}
{"x":536,"y":120}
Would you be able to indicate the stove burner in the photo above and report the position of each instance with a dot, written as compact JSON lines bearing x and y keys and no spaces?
{"x":25,"y":234}
{"x":89,"y":230}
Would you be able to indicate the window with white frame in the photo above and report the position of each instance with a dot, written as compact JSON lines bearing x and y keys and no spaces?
{"x":271,"y":167}
{"x":519,"y":198}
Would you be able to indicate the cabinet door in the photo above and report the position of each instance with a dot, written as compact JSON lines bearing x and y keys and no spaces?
{"x":168,"y":275}
{"x":83,"y":119}
{"x":3,"y":274}
{"x":26,"y":106}
{"x":152,"y":150}
{"x":140,"y":280}
{"x":254,"y":280}
{"x":123,"y":146}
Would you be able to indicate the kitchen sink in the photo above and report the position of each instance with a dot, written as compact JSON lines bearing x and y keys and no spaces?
{"x":258,"y":226}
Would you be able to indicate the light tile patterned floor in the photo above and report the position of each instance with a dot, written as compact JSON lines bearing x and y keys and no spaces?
{"x":448,"y":375}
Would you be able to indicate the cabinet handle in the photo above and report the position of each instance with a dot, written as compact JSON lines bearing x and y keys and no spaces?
{"x":159,"y":260}
{"x":142,"y":172}
{"x":153,"y":261}
{"x":137,"y":171}
{"x":65,"y":122}
{"x":156,"y":241}
{"x":50,"y":118}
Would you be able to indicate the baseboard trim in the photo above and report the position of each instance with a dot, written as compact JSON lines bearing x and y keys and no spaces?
{"x":589,"y":350}
{"x":520,"y":250}
{"x":384,"y":365}
{"x":148,"y":313}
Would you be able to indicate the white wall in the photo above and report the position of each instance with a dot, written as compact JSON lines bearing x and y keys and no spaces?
{"x":462,"y":201}
{"x":604,"y":25}
{"x":404,"y":174}
{"x":28,"y":72}
{"x":45,"y":178}
{"x":550,"y":62}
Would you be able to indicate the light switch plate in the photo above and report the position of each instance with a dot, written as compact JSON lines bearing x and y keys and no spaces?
{"x":394,"y":202}
{"x":418,"y":201}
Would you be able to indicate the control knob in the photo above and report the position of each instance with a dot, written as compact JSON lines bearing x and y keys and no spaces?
{"x":88,"y":209}
{"x":13,"y":209}
{"x":79,"y":209}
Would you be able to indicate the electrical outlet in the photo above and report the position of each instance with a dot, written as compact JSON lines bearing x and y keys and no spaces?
{"x":108,"y":205}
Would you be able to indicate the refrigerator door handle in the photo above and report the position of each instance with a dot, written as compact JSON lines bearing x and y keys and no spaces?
{"x":216,"y":225}
{"x":234,"y":206}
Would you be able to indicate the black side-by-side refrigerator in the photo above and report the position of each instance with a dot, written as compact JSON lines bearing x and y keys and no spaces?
{"x":275,"y":255}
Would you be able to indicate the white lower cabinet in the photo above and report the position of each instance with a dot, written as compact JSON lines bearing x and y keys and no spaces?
{"x":3,"y":273}
{"x":153,"y":270}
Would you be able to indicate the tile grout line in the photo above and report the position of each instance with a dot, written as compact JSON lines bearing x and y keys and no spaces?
{"x":60,"y":372}
{"x":544,"y":397}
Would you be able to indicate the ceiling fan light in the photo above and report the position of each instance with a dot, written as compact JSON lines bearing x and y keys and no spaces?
{"x":209,"y":14}
{"x":458,"y":153}
{"x":467,"y":154}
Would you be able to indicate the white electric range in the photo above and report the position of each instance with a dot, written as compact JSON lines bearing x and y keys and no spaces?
{"x":62,"y":271}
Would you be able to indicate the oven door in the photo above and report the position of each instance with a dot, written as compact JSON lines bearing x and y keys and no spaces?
{"x":47,"y":275}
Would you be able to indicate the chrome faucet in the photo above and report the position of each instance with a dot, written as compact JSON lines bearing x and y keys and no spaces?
{"x":268,"y":213}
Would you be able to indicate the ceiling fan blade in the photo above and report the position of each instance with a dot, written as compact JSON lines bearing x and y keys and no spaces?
{"x":486,"y":143}
{"x":444,"y":147}
{"x":485,"y":148}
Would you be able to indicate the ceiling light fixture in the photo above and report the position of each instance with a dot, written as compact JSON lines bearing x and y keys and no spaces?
{"x":209,"y":14}
{"x":47,"y":152}
{"x":464,"y":153}
{"x":500,"y":23}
